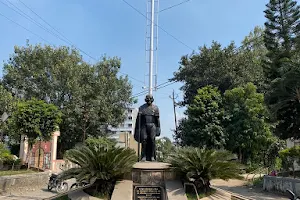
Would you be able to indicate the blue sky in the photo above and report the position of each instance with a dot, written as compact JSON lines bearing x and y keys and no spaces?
{"x":113,"y":28}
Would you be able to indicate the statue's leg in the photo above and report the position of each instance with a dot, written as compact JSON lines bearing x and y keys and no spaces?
{"x":144,"y":143}
{"x":152,"y":142}
{"x":148,"y":143}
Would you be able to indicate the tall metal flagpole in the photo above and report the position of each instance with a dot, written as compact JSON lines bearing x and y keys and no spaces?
{"x":151,"y":48}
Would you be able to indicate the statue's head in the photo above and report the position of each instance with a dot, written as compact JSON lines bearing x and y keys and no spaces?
{"x":149,"y":99}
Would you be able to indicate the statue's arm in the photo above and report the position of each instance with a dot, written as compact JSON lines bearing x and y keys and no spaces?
{"x":157,"y":122}
{"x":137,"y":124}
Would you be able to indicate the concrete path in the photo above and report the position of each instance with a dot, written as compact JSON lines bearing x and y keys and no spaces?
{"x":239,"y":187}
{"x":175,"y":190}
{"x":32,"y":195}
{"x":123,"y":190}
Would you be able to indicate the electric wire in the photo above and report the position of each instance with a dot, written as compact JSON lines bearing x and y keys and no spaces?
{"x":174,"y":6}
{"x":23,"y":14}
{"x":12,"y":21}
{"x":160,"y":86}
{"x":175,"y":38}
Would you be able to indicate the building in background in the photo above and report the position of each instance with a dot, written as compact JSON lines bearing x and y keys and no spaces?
{"x":125,"y":131}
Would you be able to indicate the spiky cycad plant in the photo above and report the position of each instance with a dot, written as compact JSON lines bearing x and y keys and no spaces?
{"x":99,"y":164}
{"x":200,"y":166}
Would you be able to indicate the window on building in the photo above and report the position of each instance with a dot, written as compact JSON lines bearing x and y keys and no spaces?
{"x":130,"y":125}
{"x":130,"y":118}
{"x":129,"y":111}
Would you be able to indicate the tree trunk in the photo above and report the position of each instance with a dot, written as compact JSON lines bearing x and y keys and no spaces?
{"x":293,"y":168}
{"x":29,"y":151}
{"x":85,"y":119}
{"x":240,"y":154}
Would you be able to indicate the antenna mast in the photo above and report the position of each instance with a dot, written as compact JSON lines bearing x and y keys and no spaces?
{"x":151,"y":41}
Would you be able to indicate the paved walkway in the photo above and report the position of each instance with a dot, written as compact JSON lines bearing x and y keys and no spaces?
{"x":239,"y":187}
{"x":34,"y":194}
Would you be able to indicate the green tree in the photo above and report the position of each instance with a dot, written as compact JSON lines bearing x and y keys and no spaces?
{"x":199,"y":166}
{"x":273,"y":153}
{"x":211,"y":66}
{"x":203,"y":126}
{"x":7,"y":104}
{"x":247,"y":127}
{"x":100,"y":165}
{"x":101,"y":99}
{"x":289,"y":156}
{"x":281,"y":32}
{"x":224,"y":68}
{"x":43,"y":72}
{"x":104,"y":141}
{"x":164,"y":147}
{"x":252,"y":53}
{"x":6,"y":101}
{"x":35,"y":119}
{"x":91,"y":97}
{"x":285,"y":107}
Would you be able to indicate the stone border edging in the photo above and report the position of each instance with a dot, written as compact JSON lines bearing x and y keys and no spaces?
{"x":23,"y":175}
{"x":23,"y":182}
{"x":232,"y":195}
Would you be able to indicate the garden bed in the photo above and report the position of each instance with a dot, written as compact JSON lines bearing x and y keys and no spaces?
{"x":98,"y":194}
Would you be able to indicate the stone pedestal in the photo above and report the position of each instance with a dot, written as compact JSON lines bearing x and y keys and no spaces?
{"x":149,"y":180}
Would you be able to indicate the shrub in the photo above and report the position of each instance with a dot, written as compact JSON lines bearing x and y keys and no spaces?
{"x":199,"y":166}
{"x":100,"y":165}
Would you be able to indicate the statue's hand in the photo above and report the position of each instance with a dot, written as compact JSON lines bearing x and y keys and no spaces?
{"x":157,"y":131}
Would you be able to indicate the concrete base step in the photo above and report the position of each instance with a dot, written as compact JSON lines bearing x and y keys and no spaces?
{"x":123,"y":190}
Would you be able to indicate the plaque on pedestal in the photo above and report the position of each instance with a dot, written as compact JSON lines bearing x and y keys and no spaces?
{"x":148,"y":193}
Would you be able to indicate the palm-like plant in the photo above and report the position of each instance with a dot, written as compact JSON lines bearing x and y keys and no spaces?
{"x":200,"y":166}
{"x":99,"y":164}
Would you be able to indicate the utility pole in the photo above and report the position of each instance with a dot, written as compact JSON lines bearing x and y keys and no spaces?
{"x":151,"y":42}
{"x":151,"y":48}
{"x":174,"y":106}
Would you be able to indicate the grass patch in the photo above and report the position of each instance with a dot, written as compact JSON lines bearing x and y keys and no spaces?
{"x":258,"y":181}
{"x":193,"y":196}
{"x":15,"y":172}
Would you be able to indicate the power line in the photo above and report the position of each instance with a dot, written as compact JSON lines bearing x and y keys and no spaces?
{"x":23,"y":14}
{"x":174,"y":6}
{"x":158,"y":25}
{"x":162,"y":85}
{"x":43,"y":20}
{"x":24,"y":28}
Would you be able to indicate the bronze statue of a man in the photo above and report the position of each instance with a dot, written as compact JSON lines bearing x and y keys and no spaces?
{"x":147,"y":128}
